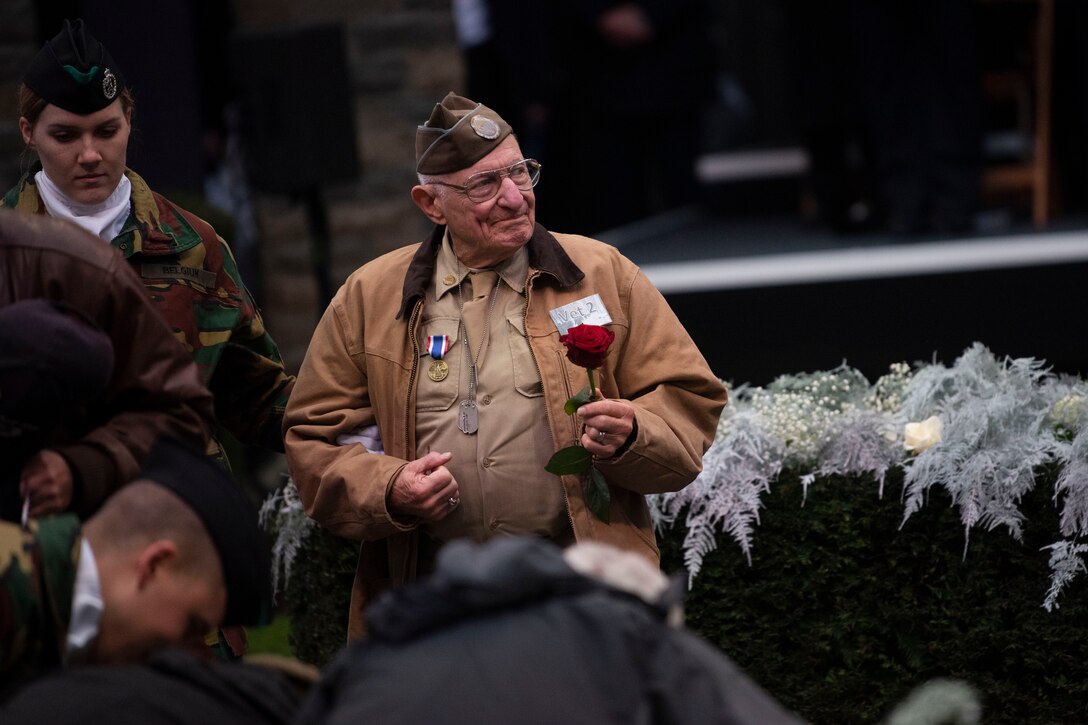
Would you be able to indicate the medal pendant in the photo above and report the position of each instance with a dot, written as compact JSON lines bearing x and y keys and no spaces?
{"x":438,"y":371}
{"x":467,"y":419}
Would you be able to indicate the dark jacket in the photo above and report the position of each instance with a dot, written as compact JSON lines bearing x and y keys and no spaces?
{"x":508,"y":632}
{"x":172,"y":688}
{"x":154,"y":390}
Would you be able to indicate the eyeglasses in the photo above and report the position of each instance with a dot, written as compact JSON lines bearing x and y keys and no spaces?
{"x":485,"y":185}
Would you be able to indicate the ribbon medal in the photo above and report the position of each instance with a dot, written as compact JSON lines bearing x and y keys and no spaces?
{"x":438,"y":346}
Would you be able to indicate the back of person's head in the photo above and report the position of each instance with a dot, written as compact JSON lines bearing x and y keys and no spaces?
{"x":142,"y":512}
{"x":182,"y":492}
{"x":533,"y":635}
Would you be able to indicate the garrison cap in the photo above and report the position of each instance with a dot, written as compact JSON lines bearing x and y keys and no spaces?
{"x":75,"y":72}
{"x":459,"y":133}
{"x":231,"y":520}
{"x":52,"y":360}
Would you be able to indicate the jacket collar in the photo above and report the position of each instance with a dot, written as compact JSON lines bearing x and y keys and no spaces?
{"x":154,"y":227}
{"x":545,"y":255}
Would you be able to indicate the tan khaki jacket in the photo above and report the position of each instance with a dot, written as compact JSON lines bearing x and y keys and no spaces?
{"x":361,"y":366}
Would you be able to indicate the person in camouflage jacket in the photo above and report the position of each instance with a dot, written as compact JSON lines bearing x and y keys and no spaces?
{"x":37,"y":579}
{"x":170,"y":555}
{"x":75,"y":113}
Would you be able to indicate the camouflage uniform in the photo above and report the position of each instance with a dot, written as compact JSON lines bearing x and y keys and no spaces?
{"x":37,"y":579}
{"x":192,"y":279}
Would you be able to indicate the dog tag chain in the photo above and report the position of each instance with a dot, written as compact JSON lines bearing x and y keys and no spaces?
{"x":468,"y":419}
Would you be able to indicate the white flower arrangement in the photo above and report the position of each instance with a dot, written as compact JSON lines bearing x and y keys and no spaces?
{"x":980,"y":429}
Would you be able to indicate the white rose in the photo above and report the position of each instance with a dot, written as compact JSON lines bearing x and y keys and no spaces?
{"x":1067,"y":411}
{"x":919,"y":436}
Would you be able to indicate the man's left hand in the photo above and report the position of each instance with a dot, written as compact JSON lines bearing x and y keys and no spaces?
{"x":608,"y":425}
{"x":47,"y":480}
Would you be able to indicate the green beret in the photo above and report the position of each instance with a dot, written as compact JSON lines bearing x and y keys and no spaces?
{"x":459,"y":133}
{"x":231,"y":521}
{"x":75,"y":72}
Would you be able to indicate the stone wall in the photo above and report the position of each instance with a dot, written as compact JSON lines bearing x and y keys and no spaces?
{"x":18,"y":43}
{"x":402,"y":58}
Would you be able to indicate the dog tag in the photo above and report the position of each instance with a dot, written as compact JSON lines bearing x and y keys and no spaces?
{"x":467,"y":420}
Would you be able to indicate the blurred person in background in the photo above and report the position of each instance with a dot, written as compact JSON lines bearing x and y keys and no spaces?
{"x":536,"y":634}
{"x":638,"y":76}
{"x":921,"y":98}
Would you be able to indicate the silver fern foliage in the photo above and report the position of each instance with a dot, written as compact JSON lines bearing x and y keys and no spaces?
{"x":725,"y":497}
{"x":283,"y":514}
{"x":999,"y":421}
{"x":1066,"y":562}
{"x":993,"y":440}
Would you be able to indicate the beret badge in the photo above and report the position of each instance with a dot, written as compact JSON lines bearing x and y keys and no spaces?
{"x":109,"y":84}
{"x":485,"y":127}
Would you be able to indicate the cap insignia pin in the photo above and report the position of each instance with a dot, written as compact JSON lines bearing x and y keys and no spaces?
{"x":485,"y":127}
{"x":109,"y":84}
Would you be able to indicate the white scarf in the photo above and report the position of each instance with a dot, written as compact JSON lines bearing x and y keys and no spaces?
{"x":86,"y":606}
{"x":104,"y":219}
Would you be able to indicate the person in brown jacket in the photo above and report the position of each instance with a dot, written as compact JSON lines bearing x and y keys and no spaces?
{"x":76,"y":461}
{"x":451,"y":348}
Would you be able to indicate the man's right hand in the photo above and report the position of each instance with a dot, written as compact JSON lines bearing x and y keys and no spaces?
{"x":425,"y":489}
{"x":48,"y":481}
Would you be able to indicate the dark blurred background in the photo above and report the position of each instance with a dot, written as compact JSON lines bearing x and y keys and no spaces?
{"x":868,"y":180}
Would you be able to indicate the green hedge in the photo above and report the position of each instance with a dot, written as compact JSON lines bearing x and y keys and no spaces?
{"x":318,"y":596}
{"x":842,"y":612}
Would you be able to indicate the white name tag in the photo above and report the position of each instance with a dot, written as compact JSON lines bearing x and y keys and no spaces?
{"x":586,"y":311}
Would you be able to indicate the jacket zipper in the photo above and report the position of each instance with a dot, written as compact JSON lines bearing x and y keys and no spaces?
{"x":409,"y":454}
{"x":532,"y":354}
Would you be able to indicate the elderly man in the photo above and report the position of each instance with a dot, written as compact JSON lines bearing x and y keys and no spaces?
{"x":451,"y":348}
{"x":167,"y":557}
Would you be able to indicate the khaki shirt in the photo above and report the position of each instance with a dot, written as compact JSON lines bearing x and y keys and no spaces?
{"x":504,"y":488}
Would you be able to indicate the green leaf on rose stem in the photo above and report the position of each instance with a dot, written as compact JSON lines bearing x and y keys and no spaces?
{"x":597,"y":496}
{"x":580,"y":398}
{"x":569,"y":461}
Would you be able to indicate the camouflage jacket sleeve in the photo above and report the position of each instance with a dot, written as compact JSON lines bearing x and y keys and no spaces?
{"x":193,"y":279}
{"x":250,"y":384}
{"x":37,"y":579}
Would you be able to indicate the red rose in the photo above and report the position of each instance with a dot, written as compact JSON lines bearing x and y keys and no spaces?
{"x":587,"y":345}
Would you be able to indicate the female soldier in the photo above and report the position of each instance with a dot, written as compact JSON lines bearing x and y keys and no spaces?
{"x":76,"y":113}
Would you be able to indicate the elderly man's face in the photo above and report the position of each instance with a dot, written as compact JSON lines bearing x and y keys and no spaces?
{"x":488,"y":232}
